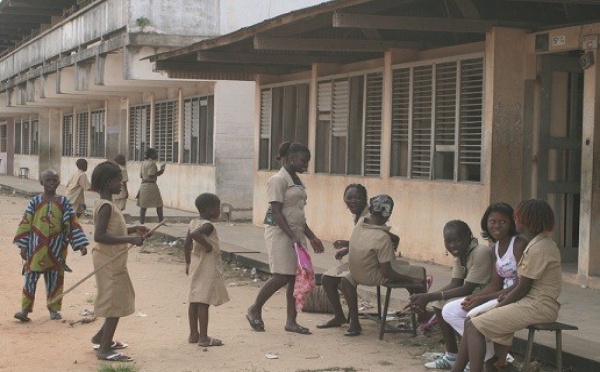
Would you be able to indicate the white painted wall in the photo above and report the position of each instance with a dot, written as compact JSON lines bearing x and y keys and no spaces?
{"x":236,"y":14}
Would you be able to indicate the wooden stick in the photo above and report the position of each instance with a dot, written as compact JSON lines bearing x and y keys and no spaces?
{"x":61,"y":295}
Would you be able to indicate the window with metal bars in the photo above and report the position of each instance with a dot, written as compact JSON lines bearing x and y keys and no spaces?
{"x":165,"y":131}
{"x":18,"y":136}
{"x":437,"y":120}
{"x":349,"y":114}
{"x":34,"y":128}
{"x":67,"y":135}
{"x":139,"y":131}
{"x":83,"y":134}
{"x":3,"y":137}
{"x":25,"y":139}
{"x":98,"y":149}
{"x":198,"y":128}
{"x":283,"y":118}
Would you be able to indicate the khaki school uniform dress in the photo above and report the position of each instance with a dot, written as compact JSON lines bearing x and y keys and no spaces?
{"x":342,"y":270}
{"x":370,"y":245}
{"x":282,"y":255}
{"x":540,"y":262}
{"x":115,"y":297}
{"x":149,"y":192}
{"x":121,"y":198}
{"x":76,"y":187}
{"x":207,"y":284}
{"x":477,"y":269}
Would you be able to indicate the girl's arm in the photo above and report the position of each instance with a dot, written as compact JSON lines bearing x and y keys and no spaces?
{"x":276,"y":208}
{"x":200,"y":233}
{"x":520,"y":291}
{"x":456,"y":288}
{"x":187,"y":250}
{"x":314,"y":241}
{"x":101,"y":236}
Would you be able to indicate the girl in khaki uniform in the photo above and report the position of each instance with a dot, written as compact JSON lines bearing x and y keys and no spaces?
{"x":533,"y":300}
{"x":116,"y":297}
{"x":286,"y":226}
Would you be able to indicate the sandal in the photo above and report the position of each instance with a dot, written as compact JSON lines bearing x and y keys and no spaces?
{"x":116,"y":357}
{"x":298,"y":329}
{"x":211,"y":342}
{"x":257,"y":324}
{"x":115,"y":345}
{"x":22,"y":316}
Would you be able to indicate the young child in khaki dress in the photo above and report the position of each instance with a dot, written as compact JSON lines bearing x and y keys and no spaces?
{"x":115,"y":297}
{"x":77,"y":185}
{"x":203,"y":265}
{"x":533,"y":300}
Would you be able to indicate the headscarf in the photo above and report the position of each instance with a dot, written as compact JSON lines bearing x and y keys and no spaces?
{"x":381,"y":204}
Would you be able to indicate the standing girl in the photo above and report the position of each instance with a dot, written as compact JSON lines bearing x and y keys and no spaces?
{"x":203,"y":263}
{"x":115,"y":297}
{"x":533,"y":299}
{"x":286,"y":227}
{"x":149,"y":195}
{"x":47,"y":227}
{"x":498,"y":226}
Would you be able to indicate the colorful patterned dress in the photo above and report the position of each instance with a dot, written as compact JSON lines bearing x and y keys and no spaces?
{"x":46,"y":229}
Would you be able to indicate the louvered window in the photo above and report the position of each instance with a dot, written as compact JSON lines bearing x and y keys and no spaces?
{"x":18,"y":138}
{"x":437,"y":114}
{"x":198,"y":129}
{"x":373,"y":116}
{"x":35,"y":147}
{"x":165,"y":131}
{"x":98,"y":139}
{"x":139,"y":131}
{"x":283,"y":118}
{"x":25,"y":137}
{"x":83,"y":134}
{"x":67,"y":135}
{"x":3,"y":137}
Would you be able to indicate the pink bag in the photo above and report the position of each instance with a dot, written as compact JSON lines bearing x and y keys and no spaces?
{"x":305,"y":277}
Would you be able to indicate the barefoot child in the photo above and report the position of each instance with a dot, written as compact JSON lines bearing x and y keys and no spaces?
{"x":43,"y":235}
{"x":203,"y":264}
{"x":115,"y":297}
{"x":77,"y":185}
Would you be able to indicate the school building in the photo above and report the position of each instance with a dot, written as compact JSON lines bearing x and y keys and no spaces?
{"x":75,"y":82}
{"x":447,"y":106}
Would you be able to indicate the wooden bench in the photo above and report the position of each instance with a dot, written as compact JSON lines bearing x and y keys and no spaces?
{"x":381,"y":316}
{"x":553,"y":327}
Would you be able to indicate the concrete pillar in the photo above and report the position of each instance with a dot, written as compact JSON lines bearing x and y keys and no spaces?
{"x":49,"y":132}
{"x":233,"y":142}
{"x":589,"y":215}
{"x":503,"y":118}
{"x":115,"y":129}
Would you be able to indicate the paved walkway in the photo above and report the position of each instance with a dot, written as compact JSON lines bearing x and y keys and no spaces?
{"x":243,"y":243}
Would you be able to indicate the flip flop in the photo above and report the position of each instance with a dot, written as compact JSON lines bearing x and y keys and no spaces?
{"x":22,"y":316}
{"x":329,"y":324}
{"x":115,"y":345}
{"x":212,"y":342}
{"x":298,"y":329}
{"x":116,"y":357}
{"x":256,"y":324}
{"x":350,"y":333}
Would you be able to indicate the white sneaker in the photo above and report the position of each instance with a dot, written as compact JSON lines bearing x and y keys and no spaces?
{"x":445,"y":362}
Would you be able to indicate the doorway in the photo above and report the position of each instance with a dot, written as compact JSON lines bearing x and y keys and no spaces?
{"x":560,"y":141}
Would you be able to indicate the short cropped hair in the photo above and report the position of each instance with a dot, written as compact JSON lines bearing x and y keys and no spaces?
{"x":536,"y":215}
{"x":120,"y":159}
{"x":206,"y":200}
{"x":80,"y":163}
{"x":461,"y":227}
{"x":104,"y":173}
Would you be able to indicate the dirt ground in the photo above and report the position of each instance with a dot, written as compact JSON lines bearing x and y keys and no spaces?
{"x":157,"y":332}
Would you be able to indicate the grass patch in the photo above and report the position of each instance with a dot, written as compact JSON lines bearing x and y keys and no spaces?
{"x":117,"y":368}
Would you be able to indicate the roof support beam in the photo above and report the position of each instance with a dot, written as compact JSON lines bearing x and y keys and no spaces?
{"x":346,"y":20}
{"x":219,"y":67}
{"x":333,"y":45}
{"x":267,"y":59}
{"x":468,"y":9}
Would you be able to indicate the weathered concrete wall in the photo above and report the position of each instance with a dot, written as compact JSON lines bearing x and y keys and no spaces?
{"x":49,"y":135}
{"x":233,"y":144}
{"x":236,"y":14}
{"x":177,"y":17}
{"x":26,"y":161}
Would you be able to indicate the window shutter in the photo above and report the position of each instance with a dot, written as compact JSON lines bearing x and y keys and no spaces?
{"x":373,"y":116}
{"x":265,"y":113}
{"x":421,"y":122}
{"x":165,"y":129}
{"x":35,"y":137}
{"x":400,"y":121}
{"x":445,"y":106}
{"x":67,"y":135}
{"x":18,"y":138}
{"x":324,"y":96}
{"x":25,"y":135}
{"x":3,"y":137}
{"x":97,"y":123}
{"x":82,"y":134}
{"x":340,"y":108}
{"x":470,"y":119}
{"x":139,"y":131}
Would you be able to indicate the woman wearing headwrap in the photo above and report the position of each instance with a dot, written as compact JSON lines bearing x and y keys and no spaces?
{"x":372,"y":258}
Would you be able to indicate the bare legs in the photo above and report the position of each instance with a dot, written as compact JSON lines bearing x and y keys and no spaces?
{"x":271,"y":286}
{"x":351,"y":297}
{"x":198,"y":319}
{"x":330,"y":286}
{"x":104,"y":337}
{"x":159,"y":213}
